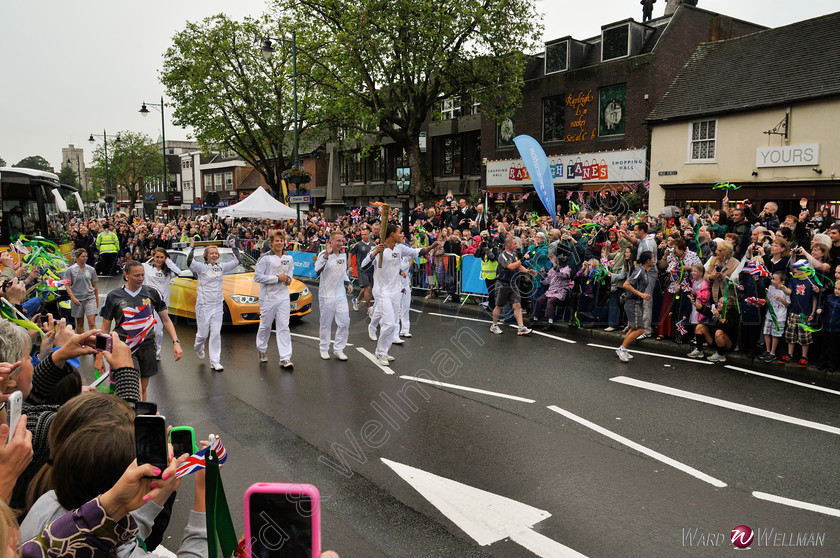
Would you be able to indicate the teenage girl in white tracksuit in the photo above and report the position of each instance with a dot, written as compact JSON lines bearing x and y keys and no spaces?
{"x":158,"y":275}
{"x":209,"y":300}
{"x":333,"y":288}
{"x":274,"y":273}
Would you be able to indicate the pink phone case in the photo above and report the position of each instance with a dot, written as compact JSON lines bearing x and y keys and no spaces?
{"x":286,"y":488}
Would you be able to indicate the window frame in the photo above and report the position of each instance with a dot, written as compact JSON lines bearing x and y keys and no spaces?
{"x":689,"y":152}
{"x":626,"y":54}
{"x":562,"y":108}
{"x":565,"y":62}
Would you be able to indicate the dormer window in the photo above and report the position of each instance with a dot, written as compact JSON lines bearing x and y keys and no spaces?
{"x":615,"y":42}
{"x":557,"y":57}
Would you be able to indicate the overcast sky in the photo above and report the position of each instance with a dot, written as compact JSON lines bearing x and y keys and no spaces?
{"x":72,"y":68}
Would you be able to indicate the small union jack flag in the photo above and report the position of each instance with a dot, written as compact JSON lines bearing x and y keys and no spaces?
{"x":138,"y":323}
{"x":680,"y":325}
{"x":195,"y":462}
{"x":756,"y":269}
{"x":53,"y":284}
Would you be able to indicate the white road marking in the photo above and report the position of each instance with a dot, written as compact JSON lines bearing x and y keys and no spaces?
{"x":725,"y":404}
{"x":546,"y":335}
{"x":489,"y":322}
{"x":796,"y":504}
{"x":780,"y":379}
{"x":310,"y":337}
{"x":418,"y":311}
{"x":484,"y":516}
{"x":370,"y":357}
{"x":634,"y":351}
{"x":640,"y":448}
{"x":475,"y":390}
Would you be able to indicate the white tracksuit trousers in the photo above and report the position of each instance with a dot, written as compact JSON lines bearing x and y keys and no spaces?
{"x":276,"y":312}
{"x":338,"y":310}
{"x":209,"y":318}
{"x":389,"y":327}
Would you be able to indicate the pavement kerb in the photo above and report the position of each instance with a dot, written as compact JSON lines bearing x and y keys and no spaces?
{"x":734,"y":358}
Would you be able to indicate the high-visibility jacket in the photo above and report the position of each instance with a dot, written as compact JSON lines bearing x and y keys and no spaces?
{"x":489,"y":268}
{"x":107,"y":242}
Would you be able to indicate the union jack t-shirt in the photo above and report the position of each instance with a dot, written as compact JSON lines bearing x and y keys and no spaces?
{"x":133,"y":315}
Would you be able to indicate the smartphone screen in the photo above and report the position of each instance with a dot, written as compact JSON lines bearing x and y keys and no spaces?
{"x":145,"y":408}
{"x":281,"y":525}
{"x":150,"y":441}
{"x":182,"y":442}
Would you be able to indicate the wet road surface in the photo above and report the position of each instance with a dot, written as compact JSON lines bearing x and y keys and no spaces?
{"x":655,"y":457}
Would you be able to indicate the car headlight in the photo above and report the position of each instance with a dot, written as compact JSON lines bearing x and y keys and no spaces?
{"x":305,"y":291}
{"x":242,"y":299}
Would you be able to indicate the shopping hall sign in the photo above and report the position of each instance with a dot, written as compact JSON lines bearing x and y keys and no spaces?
{"x":612,"y":166}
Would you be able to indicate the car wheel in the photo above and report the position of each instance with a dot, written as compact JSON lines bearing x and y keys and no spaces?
{"x":226,"y":319}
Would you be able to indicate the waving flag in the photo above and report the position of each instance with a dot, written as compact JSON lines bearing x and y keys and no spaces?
{"x":538,"y":168}
{"x":755,"y":268}
{"x":196,"y":461}
{"x":138,"y":323}
{"x":53,"y":284}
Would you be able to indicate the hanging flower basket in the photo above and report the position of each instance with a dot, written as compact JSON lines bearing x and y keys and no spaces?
{"x":296,"y":176}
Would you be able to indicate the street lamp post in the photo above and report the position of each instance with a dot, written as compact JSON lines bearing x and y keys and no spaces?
{"x":105,"y":137}
{"x":267,"y":50}
{"x":145,"y":112}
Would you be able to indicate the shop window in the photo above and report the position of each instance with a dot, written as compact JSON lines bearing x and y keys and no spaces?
{"x":702,"y":140}
{"x":449,"y":109}
{"x":557,"y":57}
{"x":554,"y":118}
{"x":449,"y":152}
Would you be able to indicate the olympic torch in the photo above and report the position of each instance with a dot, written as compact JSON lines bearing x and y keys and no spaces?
{"x":383,"y":233}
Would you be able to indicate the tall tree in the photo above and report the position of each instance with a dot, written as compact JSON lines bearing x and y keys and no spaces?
{"x":387,"y":64}
{"x":35,"y":162}
{"x":68,"y":176}
{"x":221,"y":85}
{"x":132,"y":163}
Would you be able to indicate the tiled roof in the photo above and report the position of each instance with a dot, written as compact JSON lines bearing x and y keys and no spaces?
{"x":792,"y":63}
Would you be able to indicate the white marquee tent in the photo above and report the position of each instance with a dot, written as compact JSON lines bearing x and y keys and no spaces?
{"x":259,"y":205}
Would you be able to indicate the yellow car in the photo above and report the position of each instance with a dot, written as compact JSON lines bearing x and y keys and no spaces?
{"x":241,"y":292}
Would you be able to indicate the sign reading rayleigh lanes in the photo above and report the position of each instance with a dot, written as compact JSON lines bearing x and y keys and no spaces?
{"x":629,"y":165}
{"x":788,"y":155}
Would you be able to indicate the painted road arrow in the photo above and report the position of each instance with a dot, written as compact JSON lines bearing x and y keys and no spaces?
{"x":484,"y":516}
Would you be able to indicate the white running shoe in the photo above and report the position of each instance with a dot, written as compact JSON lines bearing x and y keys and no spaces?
{"x":157,"y":357}
{"x":325,"y":355}
{"x":199,"y":352}
{"x":340,"y":355}
{"x":398,"y":341}
{"x":622,"y":354}
{"x":372,"y":334}
{"x":716,"y":357}
{"x":406,"y":334}
{"x":523,"y":330}
{"x":390,"y":358}
{"x":495,"y":329}
{"x":383,"y":360}
{"x":216,"y":366}
{"x":263,"y":357}
{"x":355,"y":304}
{"x":286,"y":364}
{"x":696,"y":353}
